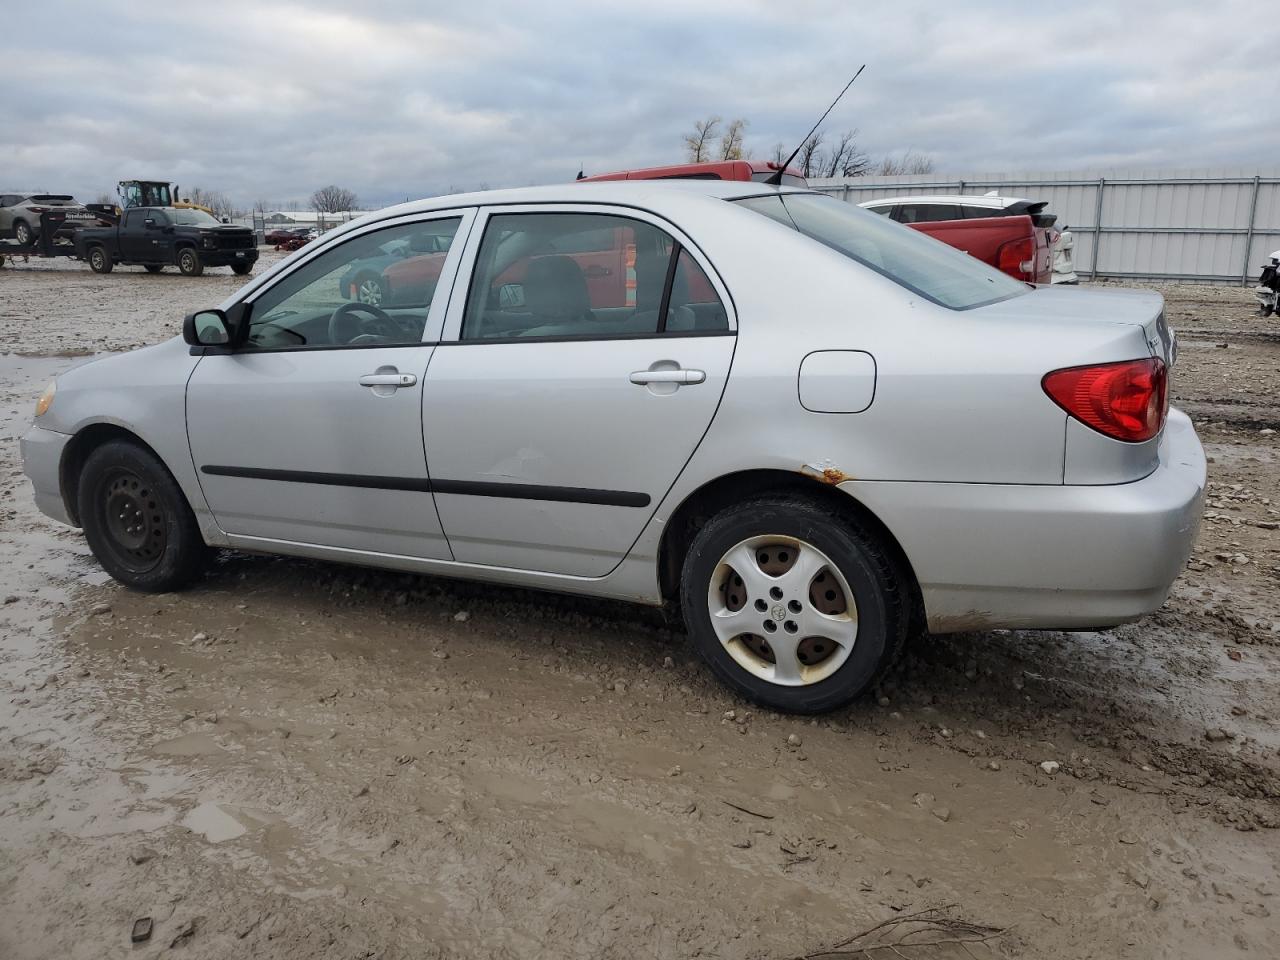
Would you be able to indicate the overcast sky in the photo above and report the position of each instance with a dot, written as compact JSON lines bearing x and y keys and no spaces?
{"x":396,"y":98}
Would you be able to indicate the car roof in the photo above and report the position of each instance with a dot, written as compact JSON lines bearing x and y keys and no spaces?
{"x":995,"y":203}
{"x":624,"y":192}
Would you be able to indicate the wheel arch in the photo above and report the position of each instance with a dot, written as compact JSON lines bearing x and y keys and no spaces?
{"x":712,"y":497}
{"x":76,"y":453}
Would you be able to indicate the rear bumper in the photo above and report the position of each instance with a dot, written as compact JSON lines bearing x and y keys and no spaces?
{"x":42,"y":463}
{"x":1065,"y":557}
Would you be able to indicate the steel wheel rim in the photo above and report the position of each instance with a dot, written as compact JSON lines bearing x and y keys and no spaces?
{"x":133,"y":520}
{"x":782,"y":610}
{"x":188,"y":260}
{"x":97,"y":258}
{"x":370,"y":292}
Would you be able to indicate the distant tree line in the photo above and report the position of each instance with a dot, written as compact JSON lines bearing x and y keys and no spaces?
{"x":818,"y":157}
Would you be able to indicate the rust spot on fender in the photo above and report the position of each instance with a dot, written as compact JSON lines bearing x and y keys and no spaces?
{"x":825,"y":472}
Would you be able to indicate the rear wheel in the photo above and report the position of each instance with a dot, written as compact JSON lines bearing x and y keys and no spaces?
{"x":22,"y":233}
{"x":189,"y":262}
{"x":99,"y":261}
{"x":790,"y":606}
{"x":136,"y":519}
{"x":153,"y":267}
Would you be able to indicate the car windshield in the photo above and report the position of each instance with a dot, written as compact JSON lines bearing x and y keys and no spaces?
{"x":191,"y":218}
{"x":921,"y":264}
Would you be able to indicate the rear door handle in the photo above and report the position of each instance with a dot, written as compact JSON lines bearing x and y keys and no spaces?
{"x":388,"y":380}
{"x":668,"y":376}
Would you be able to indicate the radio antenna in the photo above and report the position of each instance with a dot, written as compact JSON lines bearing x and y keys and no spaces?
{"x":776,"y":179}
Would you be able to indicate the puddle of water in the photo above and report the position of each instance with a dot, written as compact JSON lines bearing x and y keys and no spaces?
{"x":220,"y":822}
{"x":191,"y":745}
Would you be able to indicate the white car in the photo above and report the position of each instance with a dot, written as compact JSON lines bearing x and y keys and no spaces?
{"x":807,"y":426}
{"x":936,"y":208}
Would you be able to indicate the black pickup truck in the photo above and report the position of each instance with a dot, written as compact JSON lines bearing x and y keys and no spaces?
{"x":157,"y":237}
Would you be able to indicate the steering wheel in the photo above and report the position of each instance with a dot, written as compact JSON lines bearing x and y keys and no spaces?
{"x":378,"y":323}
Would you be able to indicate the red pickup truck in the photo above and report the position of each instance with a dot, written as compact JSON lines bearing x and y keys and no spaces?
{"x":1015,"y":236}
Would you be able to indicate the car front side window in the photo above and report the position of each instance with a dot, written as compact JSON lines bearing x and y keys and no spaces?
{"x":354,"y":294}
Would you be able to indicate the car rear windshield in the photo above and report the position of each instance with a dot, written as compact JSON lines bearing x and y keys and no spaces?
{"x":923,"y":265}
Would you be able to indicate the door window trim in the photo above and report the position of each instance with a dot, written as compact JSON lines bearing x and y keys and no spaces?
{"x":436,"y":313}
{"x":451,"y":333}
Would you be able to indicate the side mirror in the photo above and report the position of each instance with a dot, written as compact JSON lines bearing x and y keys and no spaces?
{"x":206,"y":328}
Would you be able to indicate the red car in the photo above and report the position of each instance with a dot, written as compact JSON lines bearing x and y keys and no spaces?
{"x":1011,"y":234}
{"x":744,"y":170}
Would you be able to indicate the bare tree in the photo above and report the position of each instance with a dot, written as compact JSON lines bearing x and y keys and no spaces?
{"x":333,"y":199}
{"x":105,"y":198}
{"x":808,"y":156}
{"x":731,"y":142}
{"x":779,"y":153}
{"x":215,"y":200}
{"x":843,"y":159}
{"x":697,"y":144}
{"x":909,"y":163}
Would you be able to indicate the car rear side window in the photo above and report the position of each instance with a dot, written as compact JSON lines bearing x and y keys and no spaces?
{"x":927,"y":212}
{"x":919,"y":263}
{"x":548,"y":275}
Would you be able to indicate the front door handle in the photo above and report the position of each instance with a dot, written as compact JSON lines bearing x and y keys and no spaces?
{"x":668,"y":376}
{"x":388,"y":380}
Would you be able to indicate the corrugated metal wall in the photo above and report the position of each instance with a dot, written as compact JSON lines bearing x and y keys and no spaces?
{"x":1209,"y":225}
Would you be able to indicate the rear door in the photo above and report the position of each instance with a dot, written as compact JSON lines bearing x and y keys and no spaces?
{"x":136,"y":239}
{"x":312,"y":432}
{"x":555,"y":427}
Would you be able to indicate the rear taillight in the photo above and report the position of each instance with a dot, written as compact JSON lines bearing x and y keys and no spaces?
{"x":1126,"y":400}
{"x":1017,"y":258}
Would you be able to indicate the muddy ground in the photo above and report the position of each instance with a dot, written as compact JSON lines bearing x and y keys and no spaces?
{"x":297,"y":759}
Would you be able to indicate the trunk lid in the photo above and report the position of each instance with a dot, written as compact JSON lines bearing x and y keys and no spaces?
{"x":1139,"y":308}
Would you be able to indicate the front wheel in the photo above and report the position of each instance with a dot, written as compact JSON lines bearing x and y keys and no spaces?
{"x":189,"y":263}
{"x":791,"y":606}
{"x":241,"y":269}
{"x":137,"y":520}
{"x":99,"y":261}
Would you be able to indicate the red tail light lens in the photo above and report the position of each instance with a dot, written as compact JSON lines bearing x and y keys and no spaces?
{"x":1127,"y":400}
{"x":1017,"y":258}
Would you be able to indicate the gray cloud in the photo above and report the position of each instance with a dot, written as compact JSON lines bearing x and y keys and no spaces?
{"x":398,"y":99}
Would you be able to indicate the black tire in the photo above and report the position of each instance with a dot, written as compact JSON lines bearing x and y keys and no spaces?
{"x":241,"y":269}
{"x":99,"y":259}
{"x":23,"y":233}
{"x":189,"y":262}
{"x":881,"y":598}
{"x":137,"y":520}
{"x":153,"y":267}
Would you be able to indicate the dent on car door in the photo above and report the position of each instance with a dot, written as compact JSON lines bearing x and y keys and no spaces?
{"x":553,"y":425}
{"x":310,"y":432}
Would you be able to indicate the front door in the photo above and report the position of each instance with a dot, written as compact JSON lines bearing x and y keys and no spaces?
{"x":311,"y":432}
{"x":555,"y":426}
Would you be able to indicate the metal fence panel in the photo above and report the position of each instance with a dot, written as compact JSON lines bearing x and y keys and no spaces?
{"x":1214,"y":225}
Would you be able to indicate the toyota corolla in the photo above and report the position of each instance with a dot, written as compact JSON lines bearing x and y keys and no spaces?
{"x":806,"y":426}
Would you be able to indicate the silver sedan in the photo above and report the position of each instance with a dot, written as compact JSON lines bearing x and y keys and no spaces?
{"x":810,"y":428}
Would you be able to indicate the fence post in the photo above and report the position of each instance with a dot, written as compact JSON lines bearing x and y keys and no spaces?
{"x":1097,"y":229}
{"x":1248,"y":237}
{"x":846,"y":193}
{"x":960,"y":191}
